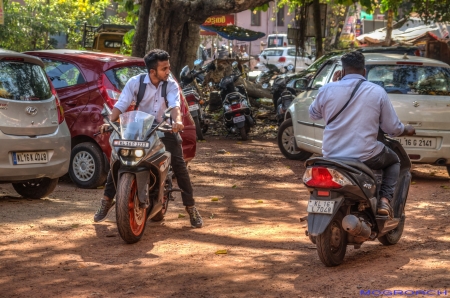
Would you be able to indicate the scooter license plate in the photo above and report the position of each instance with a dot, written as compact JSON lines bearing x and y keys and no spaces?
{"x":239,"y":119}
{"x":194,"y":107}
{"x":324,"y":207}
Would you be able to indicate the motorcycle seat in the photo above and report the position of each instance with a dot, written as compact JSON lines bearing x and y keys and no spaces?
{"x":347,"y":163}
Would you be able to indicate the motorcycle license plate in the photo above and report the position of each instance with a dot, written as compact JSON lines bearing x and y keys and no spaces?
{"x":324,"y":207}
{"x":131,"y":144}
{"x":239,"y":119}
{"x":194,"y":107}
{"x":21,"y":158}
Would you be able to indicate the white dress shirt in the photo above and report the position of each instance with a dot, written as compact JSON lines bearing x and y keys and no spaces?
{"x":152,"y":102}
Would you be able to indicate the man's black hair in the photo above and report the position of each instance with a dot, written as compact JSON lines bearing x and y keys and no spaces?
{"x":152,"y":58}
{"x":354,"y":60}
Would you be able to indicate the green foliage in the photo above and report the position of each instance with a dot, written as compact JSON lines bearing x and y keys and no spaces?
{"x":263,"y":7}
{"x":29,"y":26}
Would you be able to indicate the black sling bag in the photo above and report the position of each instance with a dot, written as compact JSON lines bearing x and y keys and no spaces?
{"x":346,"y":104}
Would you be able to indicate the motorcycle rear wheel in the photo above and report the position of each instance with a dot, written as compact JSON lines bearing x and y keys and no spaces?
{"x":131,"y":219}
{"x":243,"y":131}
{"x":198,"y":128}
{"x":332,"y":243}
{"x":167,"y":196}
{"x":392,"y":237}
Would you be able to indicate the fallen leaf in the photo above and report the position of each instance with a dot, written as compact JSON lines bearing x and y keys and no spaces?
{"x":75,"y":226}
{"x":221,"y":252}
{"x":234,"y":186}
{"x":414,"y":182}
{"x":445,"y":187}
{"x":214,"y":199}
{"x":238,"y":142}
{"x":181,"y":215}
{"x":259,"y":201}
{"x":212,"y":216}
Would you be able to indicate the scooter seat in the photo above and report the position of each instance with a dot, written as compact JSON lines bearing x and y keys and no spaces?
{"x":347,"y":163}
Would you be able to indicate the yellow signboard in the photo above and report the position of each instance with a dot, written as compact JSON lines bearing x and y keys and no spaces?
{"x":2,"y":22}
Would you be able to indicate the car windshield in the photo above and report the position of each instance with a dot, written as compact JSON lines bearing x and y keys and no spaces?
{"x":410,"y":79}
{"x":119,"y":76}
{"x":272,"y":52}
{"x":23,"y":82}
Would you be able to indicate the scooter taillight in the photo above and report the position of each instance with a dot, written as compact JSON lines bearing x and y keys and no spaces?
{"x":235,"y":106}
{"x":321,"y":177}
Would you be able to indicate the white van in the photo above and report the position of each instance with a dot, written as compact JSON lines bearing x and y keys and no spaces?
{"x":279,"y":40}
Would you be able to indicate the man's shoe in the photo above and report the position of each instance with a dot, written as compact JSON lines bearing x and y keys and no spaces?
{"x":196,"y":219}
{"x":103,"y":211}
{"x":384,"y":209}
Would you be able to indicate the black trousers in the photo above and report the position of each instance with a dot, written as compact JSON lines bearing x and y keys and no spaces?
{"x":388,"y":161}
{"x":178,"y":166}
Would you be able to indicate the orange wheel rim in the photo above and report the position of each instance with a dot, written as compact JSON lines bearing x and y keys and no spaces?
{"x":137,"y":215}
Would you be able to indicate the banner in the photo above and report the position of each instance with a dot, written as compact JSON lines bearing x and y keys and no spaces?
{"x":220,"y":20}
{"x":2,"y":19}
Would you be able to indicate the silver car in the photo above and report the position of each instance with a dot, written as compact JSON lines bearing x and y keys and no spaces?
{"x":34,"y":137}
{"x":419,"y":89}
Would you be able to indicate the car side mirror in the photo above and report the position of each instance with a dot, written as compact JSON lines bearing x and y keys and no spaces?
{"x":301,"y":84}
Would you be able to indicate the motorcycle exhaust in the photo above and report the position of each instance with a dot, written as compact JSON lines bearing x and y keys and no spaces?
{"x":356,"y":227}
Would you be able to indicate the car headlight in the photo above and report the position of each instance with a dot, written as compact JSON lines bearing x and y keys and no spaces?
{"x":124,"y":152}
{"x":139,"y":153}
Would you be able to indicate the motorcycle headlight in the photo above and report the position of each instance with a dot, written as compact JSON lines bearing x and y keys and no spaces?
{"x":139,"y":153}
{"x":124,"y":152}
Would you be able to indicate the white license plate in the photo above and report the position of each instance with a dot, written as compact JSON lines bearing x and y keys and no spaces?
{"x":131,"y":144}
{"x":194,"y":107}
{"x":316,"y":206}
{"x":21,"y":158}
{"x":239,"y":119}
{"x":417,"y":142}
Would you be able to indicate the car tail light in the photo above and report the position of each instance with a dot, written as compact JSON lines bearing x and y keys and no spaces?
{"x":282,"y":59}
{"x":321,"y":177}
{"x":110,"y":93}
{"x":58,"y":104}
{"x":236,"y":106}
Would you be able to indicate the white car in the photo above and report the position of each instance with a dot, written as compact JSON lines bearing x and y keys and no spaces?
{"x":419,"y":89}
{"x":282,"y":57}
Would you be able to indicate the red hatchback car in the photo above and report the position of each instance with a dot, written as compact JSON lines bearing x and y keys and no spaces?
{"x":84,"y":81}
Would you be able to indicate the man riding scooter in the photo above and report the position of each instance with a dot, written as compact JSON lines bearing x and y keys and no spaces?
{"x":354,"y":110}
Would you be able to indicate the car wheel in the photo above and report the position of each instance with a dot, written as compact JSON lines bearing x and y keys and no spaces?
{"x":286,"y":141}
{"x":36,"y":188}
{"x":448,"y":170}
{"x":87,"y":166}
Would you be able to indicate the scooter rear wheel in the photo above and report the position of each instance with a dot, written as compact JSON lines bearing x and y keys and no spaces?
{"x":243,"y":131}
{"x":392,"y":237}
{"x":332,"y":243}
{"x":131,"y":219}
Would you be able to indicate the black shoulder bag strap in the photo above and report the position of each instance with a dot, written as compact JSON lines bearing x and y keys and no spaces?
{"x":346,"y":104}
{"x":164,"y":94}
{"x":141,"y":91}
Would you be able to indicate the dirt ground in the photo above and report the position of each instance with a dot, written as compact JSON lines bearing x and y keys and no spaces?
{"x":251,"y":199}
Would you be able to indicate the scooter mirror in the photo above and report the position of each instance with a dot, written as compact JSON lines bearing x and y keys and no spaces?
{"x":234,"y":64}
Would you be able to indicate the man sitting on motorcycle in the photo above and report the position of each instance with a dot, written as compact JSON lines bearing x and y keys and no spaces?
{"x":353,"y":133}
{"x":157,"y":63}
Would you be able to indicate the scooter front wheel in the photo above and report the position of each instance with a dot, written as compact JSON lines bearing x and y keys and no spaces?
{"x":332,"y":243}
{"x":131,"y":219}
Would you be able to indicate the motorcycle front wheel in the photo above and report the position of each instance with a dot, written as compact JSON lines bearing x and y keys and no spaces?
{"x":130,"y":217}
{"x":332,"y":243}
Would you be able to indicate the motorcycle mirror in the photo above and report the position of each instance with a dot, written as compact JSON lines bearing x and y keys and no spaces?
{"x":106,"y":110}
{"x":234,"y":64}
{"x":167,"y":114}
{"x":198,"y":63}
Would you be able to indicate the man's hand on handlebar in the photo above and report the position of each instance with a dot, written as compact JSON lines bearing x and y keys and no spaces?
{"x":177,"y":126}
{"x":104,"y":128}
{"x":409,"y":131}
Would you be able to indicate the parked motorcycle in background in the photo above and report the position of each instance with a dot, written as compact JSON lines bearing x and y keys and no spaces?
{"x":267,"y":75}
{"x":342,"y":209}
{"x":237,"y":114}
{"x":191,"y":81}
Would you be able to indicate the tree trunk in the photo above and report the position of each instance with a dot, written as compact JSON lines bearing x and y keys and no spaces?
{"x":140,"y":36}
{"x":173,"y":25}
{"x":318,"y":28}
{"x":389,"y":28}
